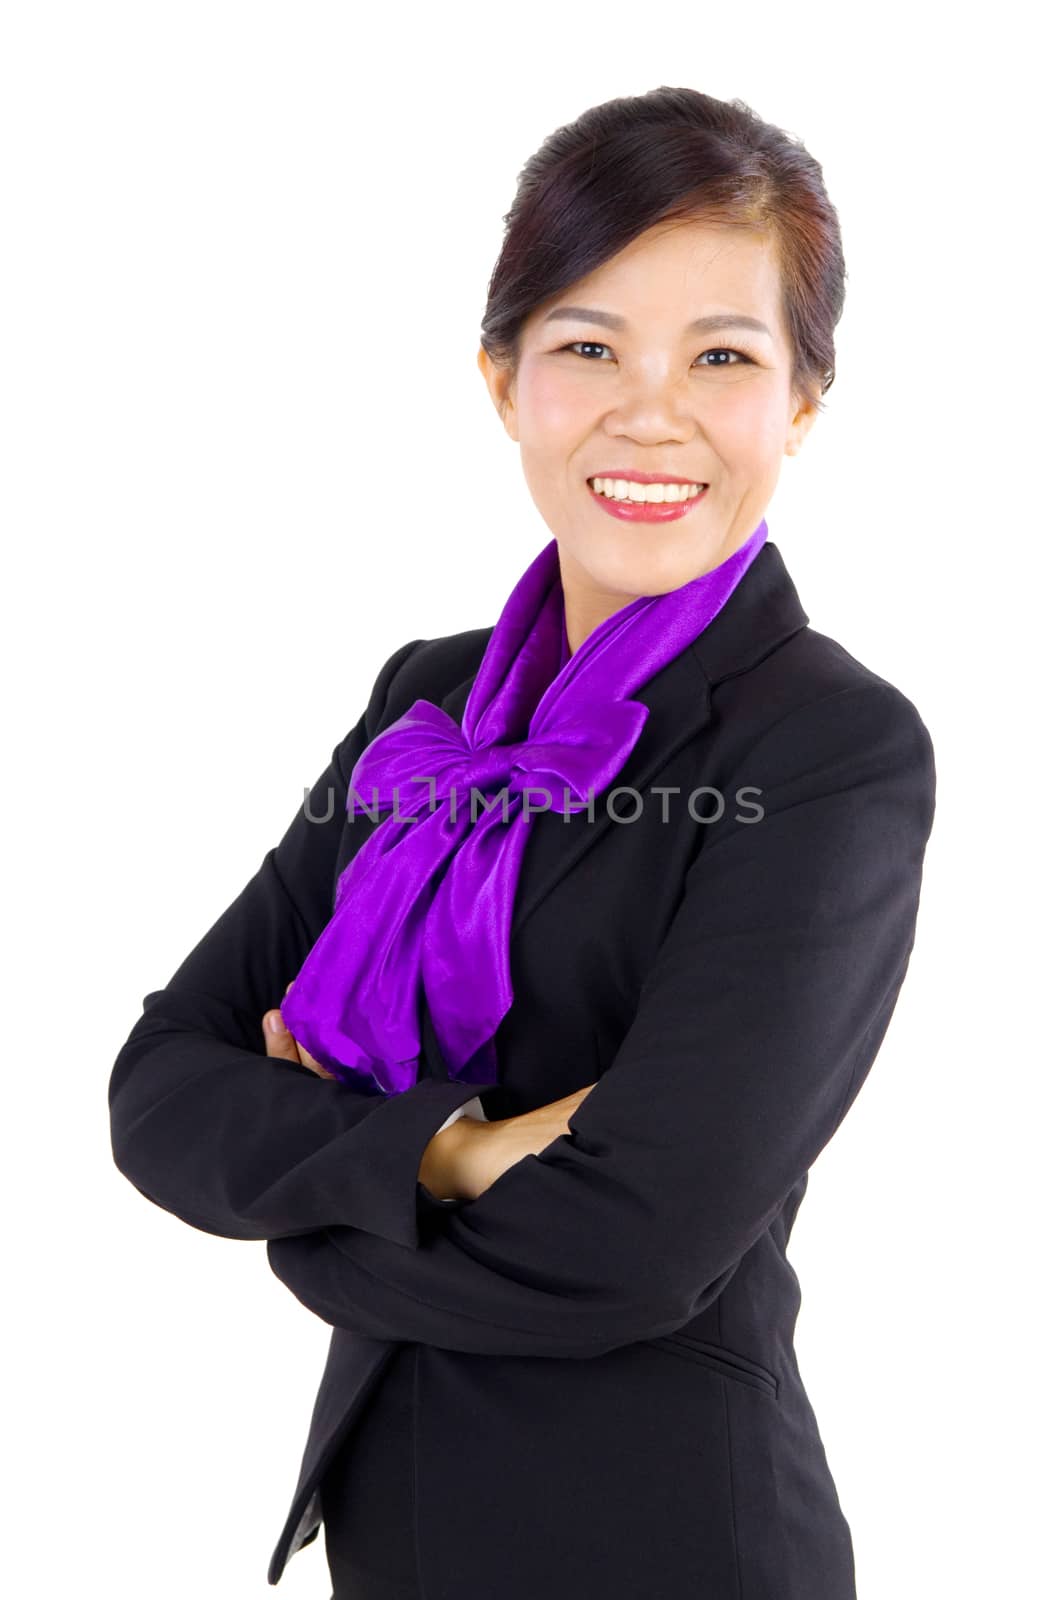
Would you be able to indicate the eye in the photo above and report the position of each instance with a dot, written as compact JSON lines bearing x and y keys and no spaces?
{"x":584,"y":344}
{"x":742,"y":356}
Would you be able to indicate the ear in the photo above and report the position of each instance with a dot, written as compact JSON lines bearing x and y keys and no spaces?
{"x":500,"y":382}
{"x":803,"y":418}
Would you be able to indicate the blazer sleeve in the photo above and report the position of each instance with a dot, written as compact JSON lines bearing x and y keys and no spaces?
{"x":245,"y":1145}
{"x":755,"y":1030}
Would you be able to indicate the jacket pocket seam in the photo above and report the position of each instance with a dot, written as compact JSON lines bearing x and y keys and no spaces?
{"x":724,"y":1362}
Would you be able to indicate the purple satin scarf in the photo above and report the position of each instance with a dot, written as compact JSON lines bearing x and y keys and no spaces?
{"x":427,"y":901}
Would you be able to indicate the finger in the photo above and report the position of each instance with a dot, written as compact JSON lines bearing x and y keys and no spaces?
{"x":278,"y":1041}
{"x":314,"y":1066}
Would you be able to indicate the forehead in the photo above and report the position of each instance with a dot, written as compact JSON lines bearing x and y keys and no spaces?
{"x":676,"y":270}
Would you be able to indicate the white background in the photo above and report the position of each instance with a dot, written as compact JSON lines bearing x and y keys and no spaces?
{"x":247,"y":453}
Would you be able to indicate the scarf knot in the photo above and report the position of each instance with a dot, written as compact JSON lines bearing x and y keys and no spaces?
{"x":491,"y":767}
{"x":567,"y":761}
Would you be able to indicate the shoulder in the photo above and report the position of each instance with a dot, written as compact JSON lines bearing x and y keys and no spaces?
{"x":437,"y":665}
{"x":423,"y":669}
{"x":811,"y":679}
{"x":812,"y":719}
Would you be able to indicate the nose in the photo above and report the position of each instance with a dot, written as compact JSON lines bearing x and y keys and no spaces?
{"x":652,"y":409}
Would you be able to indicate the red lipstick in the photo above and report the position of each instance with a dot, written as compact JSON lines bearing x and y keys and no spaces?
{"x":648,"y":510}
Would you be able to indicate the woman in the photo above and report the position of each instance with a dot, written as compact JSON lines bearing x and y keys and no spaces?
{"x":540,"y":1092}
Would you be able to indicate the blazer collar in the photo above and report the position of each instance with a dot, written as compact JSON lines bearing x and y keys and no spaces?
{"x":763,"y":610}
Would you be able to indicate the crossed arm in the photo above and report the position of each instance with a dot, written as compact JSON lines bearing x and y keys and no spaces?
{"x":756,"y":1028}
{"x":253,"y":1147}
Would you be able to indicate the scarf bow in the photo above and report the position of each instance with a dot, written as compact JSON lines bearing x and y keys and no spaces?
{"x":560,"y":751}
{"x":426,"y":903}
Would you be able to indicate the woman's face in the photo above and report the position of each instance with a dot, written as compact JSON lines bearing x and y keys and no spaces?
{"x":644,"y":391}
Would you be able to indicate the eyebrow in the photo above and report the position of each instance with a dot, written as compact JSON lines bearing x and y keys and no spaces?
{"x":608,"y":319}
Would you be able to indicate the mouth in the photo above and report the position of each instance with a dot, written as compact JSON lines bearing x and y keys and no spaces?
{"x":633,"y":501}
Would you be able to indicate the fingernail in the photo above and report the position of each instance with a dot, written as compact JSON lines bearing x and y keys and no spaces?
{"x":276,"y":1022}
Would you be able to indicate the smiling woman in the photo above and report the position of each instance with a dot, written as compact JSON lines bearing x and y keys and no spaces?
{"x":538,"y":1117}
{"x":718,"y":228}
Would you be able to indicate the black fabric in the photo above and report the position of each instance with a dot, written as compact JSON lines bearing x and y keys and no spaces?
{"x":367,"y":1496}
{"x":608,"y":1397}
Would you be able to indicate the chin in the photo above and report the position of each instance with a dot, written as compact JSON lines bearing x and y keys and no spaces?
{"x":627,"y":561}
{"x":644,"y":572}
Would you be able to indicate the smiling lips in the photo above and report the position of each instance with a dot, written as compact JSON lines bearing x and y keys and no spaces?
{"x":670,"y":497}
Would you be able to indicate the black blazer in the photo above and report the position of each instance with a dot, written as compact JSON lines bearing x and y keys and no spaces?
{"x":608,"y":1397}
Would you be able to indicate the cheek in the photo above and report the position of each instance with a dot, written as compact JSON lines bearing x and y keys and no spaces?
{"x":748,"y":427}
{"x":552,"y":409}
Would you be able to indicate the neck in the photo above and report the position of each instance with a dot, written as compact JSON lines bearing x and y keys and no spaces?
{"x":585,"y":607}
{"x":581,"y":625}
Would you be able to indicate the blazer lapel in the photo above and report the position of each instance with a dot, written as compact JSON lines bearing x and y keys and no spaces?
{"x":763,"y":611}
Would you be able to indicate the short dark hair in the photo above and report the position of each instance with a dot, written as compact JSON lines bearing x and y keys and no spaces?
{"x":672,"y":154}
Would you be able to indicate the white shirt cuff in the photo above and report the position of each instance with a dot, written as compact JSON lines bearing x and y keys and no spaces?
{"x":470,"y":1108}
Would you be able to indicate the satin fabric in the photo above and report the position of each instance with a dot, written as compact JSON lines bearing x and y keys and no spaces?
{"x":426,"y":904}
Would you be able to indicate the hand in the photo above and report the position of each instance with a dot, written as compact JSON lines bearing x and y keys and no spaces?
{"x":461,"y":1161}
{"x":283,"y":1043}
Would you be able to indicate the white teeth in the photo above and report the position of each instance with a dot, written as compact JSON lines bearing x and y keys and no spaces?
{"x":621,"y":489}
